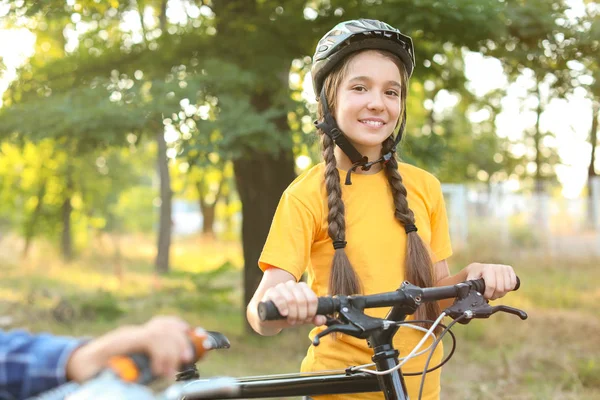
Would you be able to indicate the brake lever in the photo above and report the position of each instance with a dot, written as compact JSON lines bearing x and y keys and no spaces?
{"x":485,"y":311}
{"x":474,"y":305}
{"x":333,"y":325}
{"x":347,"y":329}
{"x":510,"y":310}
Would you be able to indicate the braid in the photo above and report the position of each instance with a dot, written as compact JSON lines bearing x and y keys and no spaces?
{"x":335,"y":218}
{"x":343,"y":279}
{"x":418,"y":264}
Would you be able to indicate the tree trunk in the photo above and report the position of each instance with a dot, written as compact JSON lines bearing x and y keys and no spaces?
{"x":66,"y":209}
{"x":228,"y":217}
{"x":165,"y":222}
{"x":541,"y":213}
{"x":31,"y":224}
{"x":162,"y":17}
{"x":260,"y":182}
{"x":208,"y":209}
{"x":593,"y":209}
{"x":208,"y":221}
{"x":140,"y":8}
{"x":537,"y":138}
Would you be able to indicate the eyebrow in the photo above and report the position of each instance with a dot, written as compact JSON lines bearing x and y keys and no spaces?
{"x":366,"y":78}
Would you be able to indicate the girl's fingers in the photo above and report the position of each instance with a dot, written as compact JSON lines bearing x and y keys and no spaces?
{"x":499,"y":280}
{"x":300,"y":302}
{"x":511,"y":279}
{"x":312,"y":301}
{"x":319,"y":320}
{"x":489,"y":277}
{"x":278,"y":298}
{"x":499,"y":289}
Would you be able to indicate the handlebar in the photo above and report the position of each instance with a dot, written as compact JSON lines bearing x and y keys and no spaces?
{"x":327,"y":305}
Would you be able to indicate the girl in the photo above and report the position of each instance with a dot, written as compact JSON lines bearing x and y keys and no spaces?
{"x":361,"y":222}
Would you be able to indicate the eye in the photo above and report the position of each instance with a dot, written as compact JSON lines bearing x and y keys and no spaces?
{"x":359,"y":88}
{"x":392,"y":93}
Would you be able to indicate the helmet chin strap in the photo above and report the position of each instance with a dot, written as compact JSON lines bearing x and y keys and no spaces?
{"x":330,"y":128}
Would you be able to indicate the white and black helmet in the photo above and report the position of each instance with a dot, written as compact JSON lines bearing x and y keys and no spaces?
{"x":362,"y":34}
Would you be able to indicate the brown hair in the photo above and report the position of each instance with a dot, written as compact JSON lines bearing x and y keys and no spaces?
{"x":418,"y":263}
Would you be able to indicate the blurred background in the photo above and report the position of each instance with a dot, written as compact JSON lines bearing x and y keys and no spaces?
{"x":144,"y":145}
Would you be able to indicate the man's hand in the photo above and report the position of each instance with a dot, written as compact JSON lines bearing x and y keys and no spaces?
{"x":163,"y":339}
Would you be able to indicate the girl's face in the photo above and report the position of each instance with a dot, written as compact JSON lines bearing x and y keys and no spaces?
{"x":368,"y":100}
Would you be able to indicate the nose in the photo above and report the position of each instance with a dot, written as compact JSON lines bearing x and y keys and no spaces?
{"x":375,"y":101}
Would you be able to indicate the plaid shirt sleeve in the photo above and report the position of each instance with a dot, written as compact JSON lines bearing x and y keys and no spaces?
{"x":31,"y":364}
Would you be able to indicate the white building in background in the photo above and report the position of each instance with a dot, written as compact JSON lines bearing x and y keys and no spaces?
{"x":186,"y":216}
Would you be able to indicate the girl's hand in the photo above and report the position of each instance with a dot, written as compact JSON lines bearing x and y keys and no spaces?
{"x":499,"y":279}
{"x":296,"y":301}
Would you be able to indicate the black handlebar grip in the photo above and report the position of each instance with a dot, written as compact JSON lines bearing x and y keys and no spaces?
{"x":479,"y":284}
{"x":327,"y":306}
{"x":268,"y":312}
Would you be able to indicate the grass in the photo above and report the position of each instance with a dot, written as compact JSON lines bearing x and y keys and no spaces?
{"x":555,"y":354}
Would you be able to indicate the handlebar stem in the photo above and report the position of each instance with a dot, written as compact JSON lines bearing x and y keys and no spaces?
{"x":392,"y":384}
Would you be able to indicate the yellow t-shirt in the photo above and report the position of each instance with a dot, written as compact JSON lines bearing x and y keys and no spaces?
{"x":298,"y":242}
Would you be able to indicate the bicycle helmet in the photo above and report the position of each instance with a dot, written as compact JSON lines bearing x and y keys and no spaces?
{"x":350,"y":36}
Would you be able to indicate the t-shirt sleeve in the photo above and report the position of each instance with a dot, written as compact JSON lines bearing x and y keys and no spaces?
{"x":290,"y":238}
{"x":440,"y":233}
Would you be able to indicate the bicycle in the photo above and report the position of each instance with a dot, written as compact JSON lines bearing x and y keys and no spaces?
{"x":350,"y":320}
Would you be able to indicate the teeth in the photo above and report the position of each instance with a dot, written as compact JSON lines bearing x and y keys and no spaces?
{"x":372,"y":123}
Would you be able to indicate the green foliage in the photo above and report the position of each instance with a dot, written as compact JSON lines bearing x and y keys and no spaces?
{"x":30,"y":179}
{"x":104,"y":194}
{"x":242,"y":67}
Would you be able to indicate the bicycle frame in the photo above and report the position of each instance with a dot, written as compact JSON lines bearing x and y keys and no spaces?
{"x":291,"y":385}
